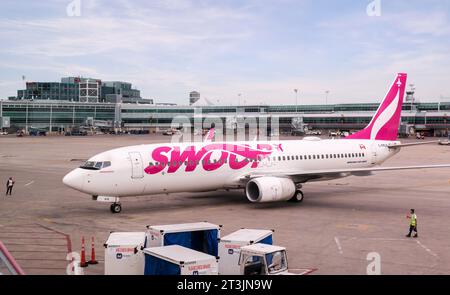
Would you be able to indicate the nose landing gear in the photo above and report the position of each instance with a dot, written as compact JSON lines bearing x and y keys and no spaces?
{"x":115,"y":208}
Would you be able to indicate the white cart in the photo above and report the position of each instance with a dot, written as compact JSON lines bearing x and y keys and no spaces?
{"x":123,"y":254}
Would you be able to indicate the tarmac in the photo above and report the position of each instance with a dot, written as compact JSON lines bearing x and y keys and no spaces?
{"x":338,"y":229}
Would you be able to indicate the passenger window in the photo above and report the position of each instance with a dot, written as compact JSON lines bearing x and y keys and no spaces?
{"x":284,"y":158}
{"x":314,"y":157}
{"x":309,"y":157}
{"x":301,"y":157}
{"x":288,"y":158}
{"x":323,"y":157}
{"x":296,"y":157}
{"x":279,"y":158}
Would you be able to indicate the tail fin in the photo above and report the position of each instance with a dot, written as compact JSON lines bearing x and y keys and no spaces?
{"x":384,"y":124}
{"x":210,"y":135}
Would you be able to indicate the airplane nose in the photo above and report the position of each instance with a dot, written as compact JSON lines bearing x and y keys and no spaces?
{"x":74,"y":179}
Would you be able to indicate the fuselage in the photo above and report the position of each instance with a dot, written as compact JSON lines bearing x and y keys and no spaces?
{"x":194,"y":167}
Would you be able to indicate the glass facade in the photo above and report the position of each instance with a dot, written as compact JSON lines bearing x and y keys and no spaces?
{"x":49,"y":91}
{"x":55,"y":114}
{"x":351,"y":116}
{"x":81,"y":89}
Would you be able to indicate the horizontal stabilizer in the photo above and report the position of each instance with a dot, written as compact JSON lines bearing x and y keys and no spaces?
{"x":394,"y":146}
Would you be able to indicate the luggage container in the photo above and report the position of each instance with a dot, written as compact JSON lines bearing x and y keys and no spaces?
{"x":178,"y":260}
{"x":123,"y":253}
{"x":230,"y":247}
{"x":199,"y":236}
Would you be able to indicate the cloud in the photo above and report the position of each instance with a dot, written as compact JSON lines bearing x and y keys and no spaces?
{"x":262,"y":49}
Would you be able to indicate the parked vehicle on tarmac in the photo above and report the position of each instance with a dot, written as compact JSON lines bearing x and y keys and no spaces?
{"x":313,"y":132}
{"x":420,"y":135}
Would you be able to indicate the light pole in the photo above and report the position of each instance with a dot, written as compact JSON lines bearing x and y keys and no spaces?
{"x":296,"y":100}
{"x":326,"y":96}
{"x":413,"y":88}
{"x":239,"y":99}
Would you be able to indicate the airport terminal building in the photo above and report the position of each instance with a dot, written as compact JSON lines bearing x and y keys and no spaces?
{"x":114,"y":105}
{"x":59,"y":115}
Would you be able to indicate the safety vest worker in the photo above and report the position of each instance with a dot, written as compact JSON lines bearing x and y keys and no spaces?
{"x":413,"y":219}
{"x":412,"y":224}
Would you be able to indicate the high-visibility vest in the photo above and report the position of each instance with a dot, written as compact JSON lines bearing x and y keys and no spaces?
{"x":413,"y":220}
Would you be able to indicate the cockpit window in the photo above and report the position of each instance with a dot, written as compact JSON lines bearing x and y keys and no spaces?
{"x":91,"y":165}
{"x":88,"y":165}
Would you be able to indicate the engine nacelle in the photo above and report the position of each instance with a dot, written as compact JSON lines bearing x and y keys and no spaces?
{"x":270,"y":189}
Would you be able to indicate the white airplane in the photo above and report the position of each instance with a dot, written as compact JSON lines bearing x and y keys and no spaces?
{"x":267,"y":170}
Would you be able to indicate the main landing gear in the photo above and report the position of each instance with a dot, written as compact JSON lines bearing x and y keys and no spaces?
{"x":298,"y":195}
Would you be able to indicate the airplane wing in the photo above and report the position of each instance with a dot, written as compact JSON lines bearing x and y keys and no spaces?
{"x":305,"y":175}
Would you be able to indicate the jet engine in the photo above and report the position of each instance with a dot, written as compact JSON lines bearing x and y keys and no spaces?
{"x":270,"y":189}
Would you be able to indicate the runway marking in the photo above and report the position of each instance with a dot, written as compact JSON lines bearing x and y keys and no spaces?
{"x":31,"y":182}
{"x":338,"y":244}
{"x":379,"y":239}
{"x":426,"y":249}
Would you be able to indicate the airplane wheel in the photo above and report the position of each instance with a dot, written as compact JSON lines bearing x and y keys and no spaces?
{"x":298,"y":197}
{"x":116,"y":208}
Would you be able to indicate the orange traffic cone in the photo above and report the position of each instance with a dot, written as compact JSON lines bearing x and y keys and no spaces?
{"x":83,"y":254}
{"x":93,"y":261}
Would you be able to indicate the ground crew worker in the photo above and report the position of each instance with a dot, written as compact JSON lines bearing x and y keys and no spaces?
{"x":412,"y":224}
{"x":9,"y":186}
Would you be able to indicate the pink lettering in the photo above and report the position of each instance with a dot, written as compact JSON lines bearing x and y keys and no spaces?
{"x":229,"y":153}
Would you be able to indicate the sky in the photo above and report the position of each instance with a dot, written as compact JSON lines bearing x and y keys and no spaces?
{"x":260,"y":49}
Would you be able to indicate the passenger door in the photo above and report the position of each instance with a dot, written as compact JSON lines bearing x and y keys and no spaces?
{"x":137,"y":169}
